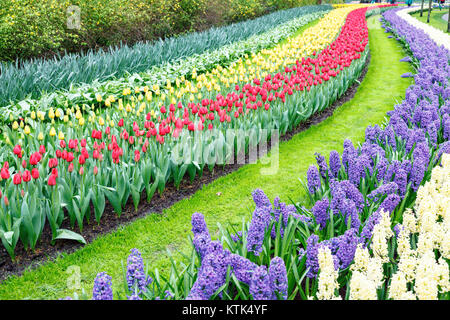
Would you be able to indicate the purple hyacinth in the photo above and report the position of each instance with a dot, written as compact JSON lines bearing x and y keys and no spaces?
{"x":135,"y":272}
{"x":417,"y":173}
{"x":348,"y":153}
{"x":349,"y":211}
{"x":260,"y":198}
{"x":382,"y":191}
{"x":366,"y":233}
{"x":278,"y":277}
{"x":347,"y":248}
{"x":284,"y":211}
{"x":390,"y":202}
{"x":198,"y":224}
{"x":321,"y":213}
{"x":401,"y":179}
{"x":335,"y":163}
{"x":201,"y":243}
{"x":313,"y":179}
{"x":352,"y":193}
{"x":102,"y":287}
{"x":260,"y":221}
{"x":372,"y":133}
{"x":242,"y":267}
{"x":261,"y":286}
{"x":312,"y":250}
{"x":212,"y":272}
{"x":322,"y":163}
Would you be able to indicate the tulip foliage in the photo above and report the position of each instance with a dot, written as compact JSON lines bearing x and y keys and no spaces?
{"x":53,"y":171}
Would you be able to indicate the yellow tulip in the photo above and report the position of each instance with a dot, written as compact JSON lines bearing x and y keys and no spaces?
{"x":15,"y":125}
{"x":40,"y":136}
{"x":27,"y":130}
{"x":52,"y":132}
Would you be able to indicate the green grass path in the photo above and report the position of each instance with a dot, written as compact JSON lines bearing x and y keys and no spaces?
{"x":378,"y":93}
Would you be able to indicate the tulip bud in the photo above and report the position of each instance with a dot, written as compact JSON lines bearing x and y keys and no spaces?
{"x":95,"y":170}
{"x":81,"y":171}
{"x":5,"y":199}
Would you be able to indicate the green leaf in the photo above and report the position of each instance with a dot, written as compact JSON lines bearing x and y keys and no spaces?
{"x":69,"y":235}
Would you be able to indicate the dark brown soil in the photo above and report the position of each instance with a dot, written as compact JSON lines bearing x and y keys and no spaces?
{"x":110,"y":221}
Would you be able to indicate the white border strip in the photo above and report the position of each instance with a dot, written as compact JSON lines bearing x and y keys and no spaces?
{"x":436,"y":35}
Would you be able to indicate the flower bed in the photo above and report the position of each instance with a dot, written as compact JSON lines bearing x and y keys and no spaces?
{"x":143,"y":64}
{"x":344,"y":247}
{"x":58,"y":175}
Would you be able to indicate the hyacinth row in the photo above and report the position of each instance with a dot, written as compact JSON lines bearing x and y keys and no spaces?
{"x":207,"y":50}
{"x":57,"y":176}
{"x":379,"y":226}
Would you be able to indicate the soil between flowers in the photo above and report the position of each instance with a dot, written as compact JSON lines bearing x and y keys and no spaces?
{"x":110,"y":221}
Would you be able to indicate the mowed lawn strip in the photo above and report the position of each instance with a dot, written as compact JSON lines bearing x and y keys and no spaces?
{"x":380,"y":90}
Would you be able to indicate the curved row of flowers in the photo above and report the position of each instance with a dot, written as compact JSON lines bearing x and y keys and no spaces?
{"x":214,"y":45}
{"x":58,"y":175}
{"x":438,"y":36}
{"x":139,"y":99}
{"x":378,"y":227}
{"x":169,"y":72}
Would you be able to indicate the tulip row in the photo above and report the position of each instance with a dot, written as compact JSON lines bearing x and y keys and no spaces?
{"x":81,"y":165}
{"x":37,"y":76}
{"x":167,"y":72}
{"x":345,"y":243}
{"x":206,"y":85}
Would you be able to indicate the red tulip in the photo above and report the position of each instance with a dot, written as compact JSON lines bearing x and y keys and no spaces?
{"x":51,"y":180}
{"x":35,"y":173}
{"x":55,"y":172}
{"x":81,"y":171}
{"x":18,"y":150}
{"x":81,"y":160}
{"x":62,"y":144}
{"x":52,"y":162}
{"x":41,"y":149}
{"x":120,"y":124}
{"x":4,"y":173}
{"x":95,"y":170}
{"x":26,"y":176}
{"x":17,"y":179}
{"x":5,"y":199}
{"x":70,"y":168}
{"x":24,"y":164}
